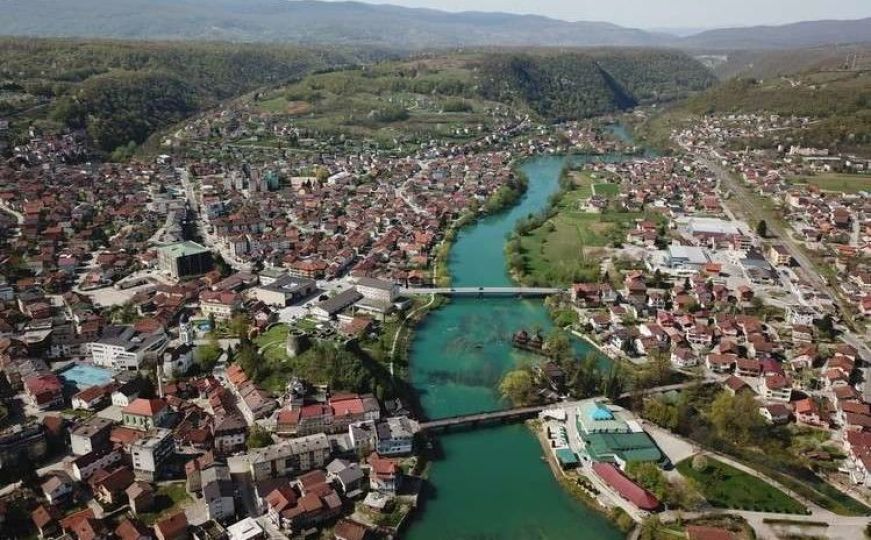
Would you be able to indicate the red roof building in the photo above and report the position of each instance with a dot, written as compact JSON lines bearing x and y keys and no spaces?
{"x":44,"y":391}
{"x":626,"y":488}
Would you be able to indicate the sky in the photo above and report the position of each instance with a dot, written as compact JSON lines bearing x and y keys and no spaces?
{"x":663,"y":13}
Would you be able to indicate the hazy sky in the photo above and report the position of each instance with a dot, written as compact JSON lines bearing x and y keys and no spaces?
{"x":663,"y":13}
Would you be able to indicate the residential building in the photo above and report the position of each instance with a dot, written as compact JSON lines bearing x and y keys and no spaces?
{"x":293,"y":456}
{"x":395,"y":436}
{"x":776,"y":388}
{"x":140,"y":497}
{"x":83,"y":467}
{"x":44,"y":391}
{"x":150,"y":452}
{"x":246,"y":529}
{"x":228,"y":434}
{"x":57,"y":489}
{"x":92,"y":435}
{"x":779,"y":255}
{"x":174,"y":527}
{"x":218,"y":492}
{"x":221,"y":305}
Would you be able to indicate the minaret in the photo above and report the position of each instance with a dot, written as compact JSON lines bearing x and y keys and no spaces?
{"x":159,"y":381}
{"x":185,"y":331}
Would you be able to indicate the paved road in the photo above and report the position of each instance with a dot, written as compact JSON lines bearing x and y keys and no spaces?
{"x":837,"y":528}
{"x":404,"y":321}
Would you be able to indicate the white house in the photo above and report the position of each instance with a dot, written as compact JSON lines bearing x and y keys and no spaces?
{"x":776,"y":388}
{"x":395,"y":436}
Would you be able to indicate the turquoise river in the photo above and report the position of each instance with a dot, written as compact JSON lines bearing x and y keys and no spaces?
{"x":491,"y":483}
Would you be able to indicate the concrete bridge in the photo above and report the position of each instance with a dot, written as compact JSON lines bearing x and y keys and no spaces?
{"x":520,"y":414}
{"x":493,"y":417}
{"x":483,"y":291}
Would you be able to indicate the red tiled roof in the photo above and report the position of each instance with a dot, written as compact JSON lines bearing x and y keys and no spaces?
{"x":627,"y":489}
{"x":145,"y":407}
{"x":172,"y":527}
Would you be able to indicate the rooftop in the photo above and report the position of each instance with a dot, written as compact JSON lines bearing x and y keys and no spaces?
{"x":182,"y":249}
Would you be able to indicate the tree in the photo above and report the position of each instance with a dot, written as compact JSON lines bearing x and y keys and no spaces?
{"x":207,"y":354}
{"x":239,"y":326}
{"x":258,"y":437}
{"x":612,"y":384}
{"x":700,"y":463}
{"x":558,"y":344}
{"x":762,"y":229}
{"x":518,"y":387}
{"x":826,"y":326}
{"x":735,"y":418}
{"x":583,"y":378}
{"x":661,"y":413}
{"x":647,"y":475}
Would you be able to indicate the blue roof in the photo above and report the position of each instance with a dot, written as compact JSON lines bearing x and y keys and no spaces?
{"x":600,"y":413}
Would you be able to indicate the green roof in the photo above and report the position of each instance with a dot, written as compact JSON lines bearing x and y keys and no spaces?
{"x":566,"y":456}
{"x":624,"y":447}
{"x":183,"y":249}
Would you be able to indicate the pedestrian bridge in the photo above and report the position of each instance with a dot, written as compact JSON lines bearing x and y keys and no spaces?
{"x":474,"y":420}
{"x":520,"y":414}
{"x":483,"y":291}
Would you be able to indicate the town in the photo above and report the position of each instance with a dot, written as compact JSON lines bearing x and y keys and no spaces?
{"x":254,"y":326}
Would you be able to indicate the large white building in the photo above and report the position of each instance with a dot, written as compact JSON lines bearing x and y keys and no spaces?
{"x":150,"y":452}
{"x":283,"y":290}
{"x":686,"y":258}
{"x":123,"y":348}
{"x":294,"y":456}
{"x":377,"y":289}
{"x":395,"y":436}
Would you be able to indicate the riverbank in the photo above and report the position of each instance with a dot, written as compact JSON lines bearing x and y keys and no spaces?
{"x":621,"y":519}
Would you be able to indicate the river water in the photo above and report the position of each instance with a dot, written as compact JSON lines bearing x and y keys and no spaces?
{"x":491,"y":483}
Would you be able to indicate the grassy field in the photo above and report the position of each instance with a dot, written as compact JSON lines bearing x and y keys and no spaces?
{"x":606,"y":190}
{"x":726,"y":487}
{"x":574,"y":238}
{"x":845,"y":183}
{"x":167,"y":499}
{"x":394,"y":101}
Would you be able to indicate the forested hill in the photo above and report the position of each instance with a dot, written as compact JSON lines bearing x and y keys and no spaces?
{"x":121,"y":92}
{"x":838,"y":101}
{"x":307,"y":22}
{"x":570,"y":85}
{"x":314,"y":22}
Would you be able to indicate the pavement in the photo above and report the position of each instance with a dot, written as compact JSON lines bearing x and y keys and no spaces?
{"x":676,"y":448}
{"x":773,"y":526}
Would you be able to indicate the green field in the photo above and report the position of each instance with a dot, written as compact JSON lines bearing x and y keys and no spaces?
{"x":272,"y":343}
{"x":574,"y":238}
{"x":386,"y":102}
{"x":844,"y":183}
{"x":606,"y":190}
{"x":167,"y":499}
{"x":726,"y":487}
